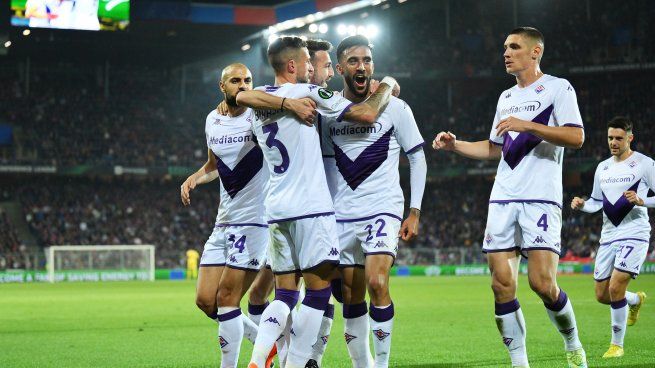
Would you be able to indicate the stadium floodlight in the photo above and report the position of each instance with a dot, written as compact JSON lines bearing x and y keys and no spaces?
{"x":342,"y":29}
{"x":26,"y":32}
{"x":245,"y":47}
{"x":313,"y":28}
{"x":100,"y":262}
{"x":303,"y":37}
{"x":352,"y":30}
{"x":372,"y":31}
{"x":323,"y":28}
{"x":7,"y":44}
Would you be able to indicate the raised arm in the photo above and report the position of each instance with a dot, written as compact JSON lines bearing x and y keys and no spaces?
{"x":480,"y":150}
{"x":304,"y":109}
{"x":368,"y":111}
{"x":205,"y":174}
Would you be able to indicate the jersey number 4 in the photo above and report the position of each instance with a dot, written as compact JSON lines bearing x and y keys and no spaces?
{"x":271,"y":142}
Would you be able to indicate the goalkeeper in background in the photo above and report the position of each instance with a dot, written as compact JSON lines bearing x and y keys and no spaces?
{"x":192,"y":257}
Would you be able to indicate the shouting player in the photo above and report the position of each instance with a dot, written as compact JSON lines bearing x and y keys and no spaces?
{"x":236,"y":249}
{"x":298,"y":204}
{"x":621,"y":184}
{"x":534,"y":121}
{"x":369,"y":201}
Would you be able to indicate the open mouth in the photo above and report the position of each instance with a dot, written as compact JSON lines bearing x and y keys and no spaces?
{"x":360,"y":81}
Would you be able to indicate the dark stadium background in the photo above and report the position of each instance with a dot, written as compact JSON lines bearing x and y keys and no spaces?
{"x":82,"y":103}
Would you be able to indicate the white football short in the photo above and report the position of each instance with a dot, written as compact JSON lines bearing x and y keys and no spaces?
{"x":523,"y":226}
{"x":301,"y":244}
{"x":239,"y":247}
{"x":363,"y":237}
{"x":625,"y":255}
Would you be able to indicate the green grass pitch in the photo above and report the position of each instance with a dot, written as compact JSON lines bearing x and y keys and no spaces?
{"x":440,"y":322}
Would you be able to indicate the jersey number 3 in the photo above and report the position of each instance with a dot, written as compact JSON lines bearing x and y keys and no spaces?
{"x":271,"y":142}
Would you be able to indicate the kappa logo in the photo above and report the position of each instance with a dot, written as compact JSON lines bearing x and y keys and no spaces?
{"x":540,"y":88}
{"x":325,"y":339}
{"x":507,"y":341}
{"x":233,"y":259}
{"x":273,"y":320}
{"x":312,"y":87}
{"x":333,"y":252}
{"x":349,"y":337}
{"x":539,"y":240}
{"x":380,"y":244}
{"x":254,"y":262}
{"x":567,"y":331}
{"x":616,"y":329}
{"x":222,"y":342}
{"x":508,"y":95}
{"x":605,"y":168}
{"x":292,"y":332}
{"x":381,"y":335}
{"x":622,"y":264}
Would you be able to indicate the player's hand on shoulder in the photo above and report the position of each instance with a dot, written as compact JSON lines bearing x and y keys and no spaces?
{"x":633,"y":198}
{"x":444,"y":141}
{"x":304,"y":109}
{"x":186,"y":188}
{"x":222,"y":108}
{"x":577,"y":203}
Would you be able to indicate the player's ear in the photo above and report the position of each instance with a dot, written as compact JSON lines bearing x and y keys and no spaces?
{"x":221,"y":85}
{"x":291,"y":66}
{"x":536,"y":52}
{"x":339,"y":69}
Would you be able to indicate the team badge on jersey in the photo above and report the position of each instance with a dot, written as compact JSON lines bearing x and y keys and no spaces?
{"x":540,"y":88}
{"x":325,"y":94}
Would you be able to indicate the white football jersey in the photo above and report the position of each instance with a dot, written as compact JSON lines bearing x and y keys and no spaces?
{"x":297,"y":185}
{"x":622,"y":219}
{"x":530,"y":169}
{"x":366,"y":156}
{"x":242,"y":173}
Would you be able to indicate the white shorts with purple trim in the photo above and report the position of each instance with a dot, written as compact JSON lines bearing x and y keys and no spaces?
{"x":625,"y":255}
{"x":302,"y":243}
{"x":236,"y":246}
{"x":523,"y":226}
{"x":377,"y":234}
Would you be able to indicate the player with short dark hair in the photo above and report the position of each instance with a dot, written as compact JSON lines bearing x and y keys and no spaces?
{"x":298,"y":204}
{"x":369,"y":202}
{"x":534,"y":121}
{"x":621,"y":185}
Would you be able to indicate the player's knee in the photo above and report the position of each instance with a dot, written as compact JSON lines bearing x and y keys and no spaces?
{"x":227,"y":296}
{"x":545,"y":288}
{"x":503,"y":286}
{"x":602,"y":297}
{"x":258,"y":294}
{"x":377,"y":285}
{"x":616,"y":291}
{"x":205,"y":304}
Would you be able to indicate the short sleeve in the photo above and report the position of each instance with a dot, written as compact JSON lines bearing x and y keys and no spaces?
{"x":566,"y":110}
{"x":328,"y":103}
{"x":406,"y":130}
{"x":649,"y":174}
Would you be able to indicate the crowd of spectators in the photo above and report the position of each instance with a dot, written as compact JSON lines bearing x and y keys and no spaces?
{"x":140,"y":117}
{"x":64,"y":211}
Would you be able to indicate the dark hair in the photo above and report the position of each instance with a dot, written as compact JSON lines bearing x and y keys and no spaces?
{"x":316,"y":45}
{"x":620,"y":122}
{"x":529,"y":32}
{"x":277,"y":50}
{"x":352,"y":41}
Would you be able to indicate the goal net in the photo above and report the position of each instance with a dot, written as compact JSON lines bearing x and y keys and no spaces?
{"x":100,"y":262}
